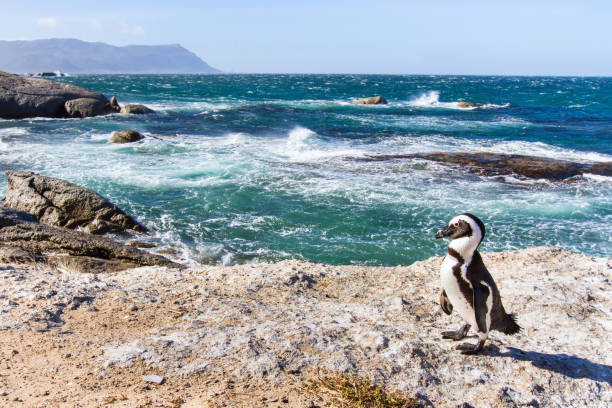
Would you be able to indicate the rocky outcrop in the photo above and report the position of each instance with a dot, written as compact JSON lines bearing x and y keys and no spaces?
{"x":136,"y":109}
{"x":464,"y":104}
{"x":125,"y":136}
{"x":86,"y":107}
{"x":373,"y":100}
{"x":114,"y":104}
{"x":24,"y":239}
{"x":492,"y":164}
{"x":255,"y":335}
{"x":63,"y":204}
{"x":34,"y":97}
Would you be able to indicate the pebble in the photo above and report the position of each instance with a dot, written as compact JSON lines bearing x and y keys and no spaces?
{"x":156,"y":379}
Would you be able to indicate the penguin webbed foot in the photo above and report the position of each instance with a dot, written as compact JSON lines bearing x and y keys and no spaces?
{"x":458,"y":334}
{"x":469,"y":348}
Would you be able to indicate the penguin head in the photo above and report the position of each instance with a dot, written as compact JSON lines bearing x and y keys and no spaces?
{"x":465,"y":226}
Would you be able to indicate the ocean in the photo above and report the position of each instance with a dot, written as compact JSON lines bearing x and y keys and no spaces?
{"x":259,"y":168}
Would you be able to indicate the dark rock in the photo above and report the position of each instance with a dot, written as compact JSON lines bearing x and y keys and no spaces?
{"x":73,"y":250}
{"x":63,"y":204}
{"x":373,"y":100}
{"x":33,"y":97}
{"x":86,"y":107}
{"x":12,"y":254}
{"x":125,"y":136}
{"x":114,"y":104}
{"x":136,"y":109}
{"x":491,"y":164}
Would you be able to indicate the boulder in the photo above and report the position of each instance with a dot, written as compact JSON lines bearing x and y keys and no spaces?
{"x":493,"y":164}
{"x":373,"y":100}
{"x":125,"y":136}
{"x":24,"y":239}
{"x":63,"y":204}
{"x":86,"y":107}
{"x":136,"y":109}
{"x":34,"y":97}
{"x":114,"y":104}
{"x":469,"y":104}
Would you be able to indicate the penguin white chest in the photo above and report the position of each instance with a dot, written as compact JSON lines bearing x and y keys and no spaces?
{"x":450,"y":284}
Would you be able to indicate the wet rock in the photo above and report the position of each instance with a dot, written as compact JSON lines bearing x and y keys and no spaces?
{"x":86,"y":107}
{"x":114,"y":104}
{"x":136,"y":109}
{"x":492,"y":164}
{"x":125,"y":136}
{"x":464,"y":104}
{"x":34,"y":97}
{"x":63,"y":204}
{"x":373,"y":100}
{"x":70,"y":250}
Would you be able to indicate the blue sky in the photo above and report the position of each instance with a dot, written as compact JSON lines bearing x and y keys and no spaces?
{"x":399,"y":37}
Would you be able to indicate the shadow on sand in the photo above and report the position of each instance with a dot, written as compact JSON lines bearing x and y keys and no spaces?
{"x":570,"y":366}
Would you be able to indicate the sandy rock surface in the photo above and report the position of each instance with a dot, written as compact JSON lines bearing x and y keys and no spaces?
{"x":251,"y":335}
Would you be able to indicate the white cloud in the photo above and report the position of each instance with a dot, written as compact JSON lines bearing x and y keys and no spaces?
{"x":133,"y":30}
{"x":47,"y":22}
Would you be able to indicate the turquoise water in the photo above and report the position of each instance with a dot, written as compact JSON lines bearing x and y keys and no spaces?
{"x":243,"y":168}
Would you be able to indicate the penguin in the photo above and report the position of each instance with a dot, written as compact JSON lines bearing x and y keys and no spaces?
{"x":468,"y":287}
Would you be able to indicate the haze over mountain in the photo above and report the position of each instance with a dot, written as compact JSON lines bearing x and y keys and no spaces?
{"x":80,"y":57}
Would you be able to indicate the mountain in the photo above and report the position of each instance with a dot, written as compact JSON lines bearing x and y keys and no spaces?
{"x":81,"y":57}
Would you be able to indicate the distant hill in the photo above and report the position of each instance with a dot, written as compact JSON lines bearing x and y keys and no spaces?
{"x":80,"y":57}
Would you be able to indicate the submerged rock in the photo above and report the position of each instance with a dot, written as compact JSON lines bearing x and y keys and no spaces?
{"x":491,"y":164}
{"x":469,"y":104}
{"x":136,"y":109}
{"x":63,"y":204}
{"x":25,"y":238}
{"x":373,"y":100}
{"x":125,"y":136}
{"x":33,"y":97}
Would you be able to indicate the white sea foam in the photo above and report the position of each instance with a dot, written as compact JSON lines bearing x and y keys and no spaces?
{"x":431,"y":99}
{"x":9,"y":133}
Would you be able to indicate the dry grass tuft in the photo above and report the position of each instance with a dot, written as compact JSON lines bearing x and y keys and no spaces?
{"x":352,"y":391}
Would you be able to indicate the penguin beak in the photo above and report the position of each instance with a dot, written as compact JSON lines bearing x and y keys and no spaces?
{"x":445,"y":232}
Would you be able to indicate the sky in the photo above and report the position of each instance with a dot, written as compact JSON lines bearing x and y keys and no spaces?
{"x":536,"y":37}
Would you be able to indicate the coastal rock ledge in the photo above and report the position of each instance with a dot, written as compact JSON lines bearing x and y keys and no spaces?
{"x":255,"y":335}
{"x":34,"y":97}
{"x":63,"y":204}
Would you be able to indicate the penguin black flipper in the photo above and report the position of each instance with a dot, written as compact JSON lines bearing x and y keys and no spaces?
{"x":445,"y":303}
{"x":481,"y":294}
{"x":481,"y":281}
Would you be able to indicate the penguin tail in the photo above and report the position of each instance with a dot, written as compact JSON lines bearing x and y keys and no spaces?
{"x":511,"y":326}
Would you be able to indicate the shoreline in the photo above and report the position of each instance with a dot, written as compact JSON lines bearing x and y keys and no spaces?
{"x":253,"y":334}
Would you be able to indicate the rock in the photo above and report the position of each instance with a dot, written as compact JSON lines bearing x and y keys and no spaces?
{"x":72,"y":250}
{"x":10,"y":254}
{"x":493,"y":164}
{"x":114,"y":104}
{"x":156,"y":379}
{"x":125,"y":136}
{"x":86,"y":107}
{"x":34,"y":97}
{"x":373,"y":100}
{"x":60,"y":203}
{"x":136,"y":109}
{"x":469,"y":104}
